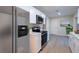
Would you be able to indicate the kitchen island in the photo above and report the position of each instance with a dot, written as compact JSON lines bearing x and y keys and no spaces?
{"x":74,"y":42}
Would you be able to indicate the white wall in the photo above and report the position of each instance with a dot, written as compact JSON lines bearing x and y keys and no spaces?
{"x":78,"y":15}
{"x":78,"y":19}
{"x":47,"y":26}
{"x":75,"y":17}
{"x":55,"y":27}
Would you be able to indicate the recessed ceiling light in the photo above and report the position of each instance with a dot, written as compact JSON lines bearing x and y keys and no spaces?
{"x":58,"y":13}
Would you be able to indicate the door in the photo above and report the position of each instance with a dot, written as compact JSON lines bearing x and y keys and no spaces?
{"x":22,"y":20}
{"x":5,"y":29}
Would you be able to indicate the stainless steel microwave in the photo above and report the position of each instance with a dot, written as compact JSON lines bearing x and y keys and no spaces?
{"x":39,"y":19}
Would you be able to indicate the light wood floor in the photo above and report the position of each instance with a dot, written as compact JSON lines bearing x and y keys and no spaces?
{"x":57,"y":44}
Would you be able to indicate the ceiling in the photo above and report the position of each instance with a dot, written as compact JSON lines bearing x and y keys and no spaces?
{"x":50,"y":11}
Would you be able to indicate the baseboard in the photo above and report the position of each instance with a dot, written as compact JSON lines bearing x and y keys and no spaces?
{"x":59,"y":34}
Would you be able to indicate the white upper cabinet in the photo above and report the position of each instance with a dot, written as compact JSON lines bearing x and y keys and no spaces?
{"x":33,"y":12}
{"x":32,"y":16}
{"x":44,"y":20}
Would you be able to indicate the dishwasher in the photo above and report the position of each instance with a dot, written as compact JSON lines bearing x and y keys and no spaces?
{"x":44,"y":38}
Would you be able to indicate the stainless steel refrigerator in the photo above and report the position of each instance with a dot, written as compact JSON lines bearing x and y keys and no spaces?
{"x":22,"y":27}
{"x":11,"y":18}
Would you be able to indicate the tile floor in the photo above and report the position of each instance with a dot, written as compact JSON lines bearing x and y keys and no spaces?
{"x":57,"y":44}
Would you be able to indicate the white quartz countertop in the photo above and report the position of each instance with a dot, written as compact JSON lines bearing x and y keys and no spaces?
{"x":76,"y":35}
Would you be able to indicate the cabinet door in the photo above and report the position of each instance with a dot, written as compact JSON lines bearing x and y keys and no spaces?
{"x":72,"y":43}
{"x":76,"y":45}
{"x":32,"y":16}
{"x":35,"y":43}
{"x":44,"y":20}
